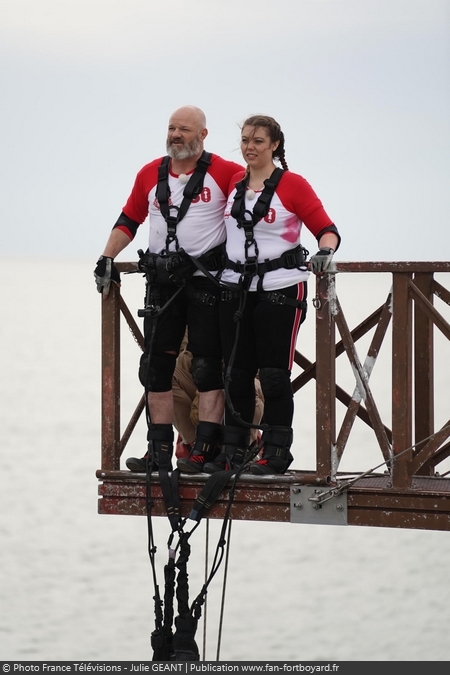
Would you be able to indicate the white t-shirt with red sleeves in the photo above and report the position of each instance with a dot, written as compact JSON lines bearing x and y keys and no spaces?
{"x":202,"y":228}
{"x":293,"y":204}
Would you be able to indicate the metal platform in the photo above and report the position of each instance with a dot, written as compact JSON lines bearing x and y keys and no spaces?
{"x":368,"y":501}
{"x":411,"y":446}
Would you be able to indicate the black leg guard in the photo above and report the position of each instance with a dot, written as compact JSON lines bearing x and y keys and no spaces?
{"x":234,"y":450}
{"x":160,"y":450}
{"x":206,"y":448}
{"x":276,"y":457}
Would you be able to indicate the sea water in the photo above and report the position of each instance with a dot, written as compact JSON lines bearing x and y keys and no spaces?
{"x":75,"y":585}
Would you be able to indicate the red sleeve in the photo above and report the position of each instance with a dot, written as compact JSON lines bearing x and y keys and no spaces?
{"x":222,"y":171}
{"x":298,"y":197}
{"x":235,"y":179}
{"x":136,"y":207}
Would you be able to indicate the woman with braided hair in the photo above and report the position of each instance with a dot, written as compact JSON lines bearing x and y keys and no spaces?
{"x":265,"y":286}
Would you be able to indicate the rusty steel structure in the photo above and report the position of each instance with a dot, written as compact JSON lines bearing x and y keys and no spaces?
{"x":407,"y":488}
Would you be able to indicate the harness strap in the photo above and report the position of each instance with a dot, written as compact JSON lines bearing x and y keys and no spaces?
{"x":248,"y":219}
{"x":214,"y":259}
{"x":210,"y":492}
{"x":277,"y":298}
{"x":262,"y":205}
{"x":173,"y":214}
{"x":184,"y":647}
{"x":292,"y":259}
{"x":161,"y":638}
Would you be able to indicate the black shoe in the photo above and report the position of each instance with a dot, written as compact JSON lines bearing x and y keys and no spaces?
{"x":233,"y":459}
{"x":192,"y":464}
{"x":139,"y":465}
{"x":221,"y":463}
{"x":276,"y":457}
{"x":205,"y":449}
{"x":271,"y":466}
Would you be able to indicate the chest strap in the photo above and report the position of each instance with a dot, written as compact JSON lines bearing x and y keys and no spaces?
{"x":173,"y":214}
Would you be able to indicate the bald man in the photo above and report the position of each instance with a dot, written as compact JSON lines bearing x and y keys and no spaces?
{"x":184,"y":196}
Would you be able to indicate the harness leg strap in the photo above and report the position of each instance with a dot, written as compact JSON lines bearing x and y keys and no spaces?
{"x":206,"y":447}
{"x":234,"y":452}
{"x":276,"y":457}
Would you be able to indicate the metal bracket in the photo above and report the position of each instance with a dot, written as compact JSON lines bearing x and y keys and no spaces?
{"x":319,"y":506}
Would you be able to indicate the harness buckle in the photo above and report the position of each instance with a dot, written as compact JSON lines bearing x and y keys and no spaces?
{"x":173,"y":220}
{"x":250,"y":267}
{"x":276,"y":298}
{"x":206,"y":298}
{"x":229,"y":296}
{"x":291,"y":260}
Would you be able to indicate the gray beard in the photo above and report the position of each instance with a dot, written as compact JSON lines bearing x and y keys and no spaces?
{"x":187,"y":150}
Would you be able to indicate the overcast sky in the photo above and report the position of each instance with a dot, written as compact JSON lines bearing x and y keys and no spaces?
{"x":361,"y":89}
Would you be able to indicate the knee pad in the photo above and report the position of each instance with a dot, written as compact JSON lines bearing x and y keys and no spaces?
{"x":207,"y":373}
{"x":275,"y":382}
{"x":241,"y":383}
{"x":156,"y":374}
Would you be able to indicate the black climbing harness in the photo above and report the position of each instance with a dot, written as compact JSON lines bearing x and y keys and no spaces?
{"x":291,"y":259}
{"x":173,"y":266}
{"x":173,"y":214}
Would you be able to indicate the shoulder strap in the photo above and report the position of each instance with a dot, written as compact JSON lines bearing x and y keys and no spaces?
{"x":173,"y":214}
{"x":261,"y":207}
{"x":162,"y":188}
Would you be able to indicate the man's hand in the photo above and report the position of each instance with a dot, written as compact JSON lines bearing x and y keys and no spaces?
{"x":321,"y":260}
{"x":105,"y":273}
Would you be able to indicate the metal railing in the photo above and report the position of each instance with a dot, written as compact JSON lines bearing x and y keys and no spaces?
{"x":409,"y":444}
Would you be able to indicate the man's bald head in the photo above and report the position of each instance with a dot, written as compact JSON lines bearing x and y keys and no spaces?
{"x":186,"y":133}
{"x":191,"y":112}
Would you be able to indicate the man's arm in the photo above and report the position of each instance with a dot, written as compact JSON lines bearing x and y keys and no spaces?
{"x":105,"y":271}
{"x":116,"y":243}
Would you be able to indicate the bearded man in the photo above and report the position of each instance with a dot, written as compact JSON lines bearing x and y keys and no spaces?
{"x":184,"y":196}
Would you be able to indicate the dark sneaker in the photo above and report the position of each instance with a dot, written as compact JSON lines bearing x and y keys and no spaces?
{"x":192,"y":464}
{"x":139,"y":465}
{"x":221,"y":463}
{"x":206,"y":447}
{"x":271,"y":465}
{"x":231,"y":460}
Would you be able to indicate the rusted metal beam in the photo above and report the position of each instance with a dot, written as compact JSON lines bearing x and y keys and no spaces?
{"x":355,"y":402}
{"x":371,"y":501}
{"x":134,"y":328}
{"x":425,"y":454}
{"x":134,"y":419}
{"x":362,"y":384}
{"x":423,"y":367}
{"x":111,"y":380}
{"x":401,"y":379}
{"x":394,"y":267}
{"x":441,"y":292}
{"x":429,"y":310}
{"x":325,"y":375}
